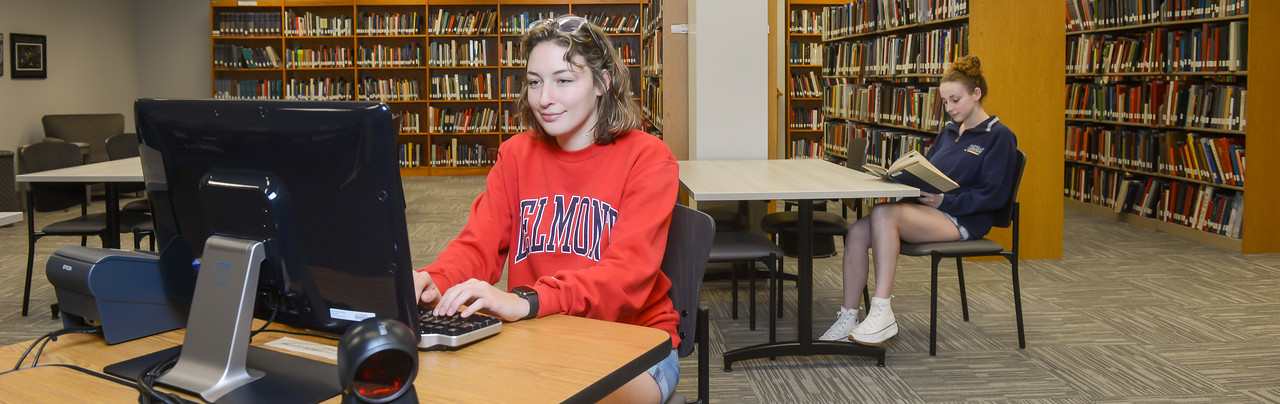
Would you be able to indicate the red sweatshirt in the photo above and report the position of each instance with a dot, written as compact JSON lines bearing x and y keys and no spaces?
{"x":587,"y":229}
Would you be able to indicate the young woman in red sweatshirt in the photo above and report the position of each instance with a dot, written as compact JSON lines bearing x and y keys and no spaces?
{"x":577,"y":208}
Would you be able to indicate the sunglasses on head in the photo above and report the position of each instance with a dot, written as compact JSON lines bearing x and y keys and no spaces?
{"x":569,"y":24}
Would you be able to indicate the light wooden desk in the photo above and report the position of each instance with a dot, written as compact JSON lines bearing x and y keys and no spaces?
{"x":551,"y":359}
{"x":109,"y":172}
{"x":804,"y":180}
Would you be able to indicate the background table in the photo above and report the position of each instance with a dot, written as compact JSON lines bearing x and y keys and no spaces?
{"x":551,"y":359}
{"x":10,"y":217}
{"x":804,"y":180}
{"x":110,"y":173}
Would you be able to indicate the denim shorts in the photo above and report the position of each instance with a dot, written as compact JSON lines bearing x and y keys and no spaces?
{"x":667,"y":374}
{"x":964,"y":233}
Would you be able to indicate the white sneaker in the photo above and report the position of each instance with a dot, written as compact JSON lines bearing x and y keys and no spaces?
{"x":878,"y":326}
{"x":846,"y":319}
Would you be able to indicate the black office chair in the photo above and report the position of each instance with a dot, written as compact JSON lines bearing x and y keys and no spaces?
{"x":50,"y":197}
{"x":727,"y":220}
{"x":741,"y":247}
{"x":1005,"y":217}
{"x":123,"y":146}
{"x":685,"y":263}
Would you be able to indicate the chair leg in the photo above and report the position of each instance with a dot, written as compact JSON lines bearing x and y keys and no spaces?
{"x":733,"y":279}
{"x":933,"y":308}
{"x":1017,"y":303}
{"x":774,"y":282}
{"x":704,"y":362}
{"x":31,"y":262}
{"x":780,"y":294}
{"x":751,"y":298}
{"x":964,"y":299}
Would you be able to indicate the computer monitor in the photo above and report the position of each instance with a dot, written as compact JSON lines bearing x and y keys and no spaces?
{"x":295,"y":212}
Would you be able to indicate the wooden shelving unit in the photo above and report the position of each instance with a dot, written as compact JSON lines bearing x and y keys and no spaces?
{"x":1019,"y":44}
{"x":665,"y":73}
{"x":1258,"y":227}
{"x":804,"y":79}
{"x":391,"y":62}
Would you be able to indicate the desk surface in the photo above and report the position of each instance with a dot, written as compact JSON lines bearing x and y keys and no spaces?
{"x":552,"y":359}
{"x":123,"y":170}
{"x":10,"y":217}
{"x":733,"y":180}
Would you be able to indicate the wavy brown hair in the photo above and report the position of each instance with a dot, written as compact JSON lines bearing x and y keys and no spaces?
{"x":617,"y":112}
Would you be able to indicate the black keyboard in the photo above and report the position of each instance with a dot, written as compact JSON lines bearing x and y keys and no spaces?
{"x":446,"y":332}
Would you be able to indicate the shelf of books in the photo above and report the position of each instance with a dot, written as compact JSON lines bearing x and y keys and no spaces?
{"x":663,"y":43}
{"x":449,"y":69}
{"x":879,"y":77}
{"x":1157,"y":100}
{"x":805,"y":80}
{"x":880,"y":74}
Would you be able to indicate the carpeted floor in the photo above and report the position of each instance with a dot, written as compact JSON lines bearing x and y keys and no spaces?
{"x":1128,"y":315}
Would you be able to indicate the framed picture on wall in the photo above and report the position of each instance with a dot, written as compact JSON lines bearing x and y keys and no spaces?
{"x":28,"y":58}
{"x":1,"y":55}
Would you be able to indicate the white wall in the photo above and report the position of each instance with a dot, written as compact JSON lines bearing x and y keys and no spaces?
{"x":728,"y":79}
{"x":92,"y":63}
{"x":173,"y":49}
{"x":102,"y":55}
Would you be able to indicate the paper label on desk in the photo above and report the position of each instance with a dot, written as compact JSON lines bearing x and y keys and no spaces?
{"x":306,"y":347}
{"x":349,"y":315}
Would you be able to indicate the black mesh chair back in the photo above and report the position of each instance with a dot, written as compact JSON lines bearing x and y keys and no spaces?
{"x":685,"y":263}
{"x":856,"y":153}
{"x":52,"y":196}
{"x":123,"y":146}
{"x":1005,"y":216}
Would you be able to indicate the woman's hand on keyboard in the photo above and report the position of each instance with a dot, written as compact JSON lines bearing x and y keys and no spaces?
{"x":479,"y":295}
{"x":427,"y":291}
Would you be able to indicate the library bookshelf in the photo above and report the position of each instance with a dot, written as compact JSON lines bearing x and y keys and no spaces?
{"x":1156,"y":107}
{"x":449,"y":69}
{"x":875,"y":91}
{"x":664,"y":43}
{"x":805,"y":80}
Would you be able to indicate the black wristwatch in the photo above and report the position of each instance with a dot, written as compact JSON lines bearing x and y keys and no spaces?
{"x":527,"y":293}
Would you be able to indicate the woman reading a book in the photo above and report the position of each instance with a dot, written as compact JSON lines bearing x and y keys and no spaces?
{"x":577,"y":207}
{"x":978,"y":153}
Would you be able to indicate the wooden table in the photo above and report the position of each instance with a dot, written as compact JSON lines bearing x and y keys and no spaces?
{"x":110,"y":173}
{"x":551,"y":359}
{"x":804,"y":180}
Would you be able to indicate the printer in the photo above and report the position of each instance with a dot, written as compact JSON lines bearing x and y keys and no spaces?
{"x":124,"y":291}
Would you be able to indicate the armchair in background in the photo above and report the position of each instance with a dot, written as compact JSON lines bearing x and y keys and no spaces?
{"x":90,"y":129}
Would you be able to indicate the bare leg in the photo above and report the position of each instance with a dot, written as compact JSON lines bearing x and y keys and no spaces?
{"x":883,"y":232}
{"x":856,"y":244}
{"x":641,"y":389}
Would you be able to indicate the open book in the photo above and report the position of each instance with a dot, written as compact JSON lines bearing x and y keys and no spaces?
{"x":912,"y":169}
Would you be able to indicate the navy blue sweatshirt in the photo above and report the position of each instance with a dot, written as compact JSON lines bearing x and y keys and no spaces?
{"x":983,"y":161}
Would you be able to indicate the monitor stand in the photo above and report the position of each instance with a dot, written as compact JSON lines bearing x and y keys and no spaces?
{"x":215,"y":351}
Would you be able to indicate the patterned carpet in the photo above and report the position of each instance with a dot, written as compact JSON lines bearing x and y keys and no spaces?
{"x":1128,"y":315}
